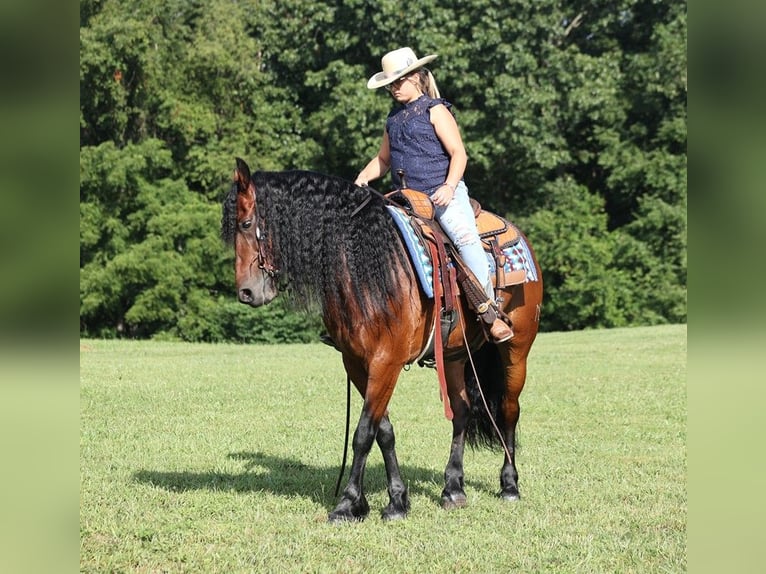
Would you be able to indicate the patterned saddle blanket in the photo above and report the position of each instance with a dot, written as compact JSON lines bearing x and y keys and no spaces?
{"x":517,"y":262}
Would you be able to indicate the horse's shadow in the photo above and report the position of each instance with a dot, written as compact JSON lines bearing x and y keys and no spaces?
{"x":291,"y":477}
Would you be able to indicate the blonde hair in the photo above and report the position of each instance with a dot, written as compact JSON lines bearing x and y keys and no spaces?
{"x":427,"y":83}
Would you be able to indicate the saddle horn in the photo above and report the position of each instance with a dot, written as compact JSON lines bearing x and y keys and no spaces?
{"x":402,"y":179}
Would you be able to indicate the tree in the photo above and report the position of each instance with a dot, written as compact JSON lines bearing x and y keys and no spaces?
{"x":573,"y":114}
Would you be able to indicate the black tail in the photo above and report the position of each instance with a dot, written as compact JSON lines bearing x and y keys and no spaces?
{"x":480,"y":432}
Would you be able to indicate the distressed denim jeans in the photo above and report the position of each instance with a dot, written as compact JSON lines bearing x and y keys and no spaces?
{"x":459,"y":224}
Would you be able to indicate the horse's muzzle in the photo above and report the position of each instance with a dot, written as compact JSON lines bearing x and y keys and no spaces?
{"x":257,"y":294}
{"x":255,"y":287}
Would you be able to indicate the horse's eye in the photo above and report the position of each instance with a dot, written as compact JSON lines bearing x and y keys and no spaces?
{"x":247,"y":224}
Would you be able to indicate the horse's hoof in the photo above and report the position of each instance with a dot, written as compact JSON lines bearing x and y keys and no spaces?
{"x":396,"y":511}
{"x":343,"y":517}
{"x":348,"y":511}
{"x":453,"y":501}
{"x":390,"y":516}
{"x":511,"y":495}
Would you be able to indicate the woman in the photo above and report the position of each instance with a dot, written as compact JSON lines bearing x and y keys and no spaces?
{"x":422,"y":141}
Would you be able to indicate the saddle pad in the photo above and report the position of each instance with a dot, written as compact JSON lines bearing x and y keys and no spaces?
{"x":421,"y":259}
{"x":518,"y":256}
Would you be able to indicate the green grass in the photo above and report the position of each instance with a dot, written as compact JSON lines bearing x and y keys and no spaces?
{"x":223,"y":458}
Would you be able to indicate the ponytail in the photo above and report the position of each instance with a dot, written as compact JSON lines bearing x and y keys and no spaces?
{"x":431,"y":88}
{"x":428,"y":83}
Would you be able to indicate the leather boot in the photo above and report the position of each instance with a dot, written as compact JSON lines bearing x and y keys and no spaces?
{"x":500,"y":331}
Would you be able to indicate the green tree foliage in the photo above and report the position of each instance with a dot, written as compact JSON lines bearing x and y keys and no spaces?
{"x":573,"y":114}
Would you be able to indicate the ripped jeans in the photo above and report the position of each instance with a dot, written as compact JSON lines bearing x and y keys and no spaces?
{"x":459,"y":224}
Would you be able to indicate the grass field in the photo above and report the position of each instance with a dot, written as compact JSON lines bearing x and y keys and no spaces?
{"x":223,"y":458}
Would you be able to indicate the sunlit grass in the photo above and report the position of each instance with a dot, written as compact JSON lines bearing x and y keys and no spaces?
{"x":203,"y":458}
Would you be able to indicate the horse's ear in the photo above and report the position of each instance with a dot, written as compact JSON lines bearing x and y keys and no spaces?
{"x":242,"y":174}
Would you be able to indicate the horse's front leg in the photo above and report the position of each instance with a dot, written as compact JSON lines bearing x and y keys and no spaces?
{"x":453,"y":495}
{"x":399,"y":502}
{"x":376,"y":386}
{"x":353,"y":504}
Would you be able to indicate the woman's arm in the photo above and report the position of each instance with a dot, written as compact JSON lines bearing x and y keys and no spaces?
{"x":447,"y":131}
{"x":378,"y":166}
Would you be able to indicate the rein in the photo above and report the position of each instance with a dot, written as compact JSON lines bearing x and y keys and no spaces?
{"x":382,"y":196}
{"x":481,"y":393}
{"x":345,"y":440}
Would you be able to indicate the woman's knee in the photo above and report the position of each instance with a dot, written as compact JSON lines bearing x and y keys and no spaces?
{"x":466,"y":238}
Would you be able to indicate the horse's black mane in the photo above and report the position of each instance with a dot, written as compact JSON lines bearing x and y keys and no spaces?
{"x":308,"y":217}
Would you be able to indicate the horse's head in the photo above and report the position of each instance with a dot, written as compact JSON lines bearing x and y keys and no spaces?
{"x":256,"y":274}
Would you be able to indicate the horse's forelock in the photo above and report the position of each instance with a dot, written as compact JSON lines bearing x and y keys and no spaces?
{"x":229,"y":215}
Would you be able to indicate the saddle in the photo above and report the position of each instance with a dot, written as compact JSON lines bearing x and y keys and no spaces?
{"x":496,"y":233}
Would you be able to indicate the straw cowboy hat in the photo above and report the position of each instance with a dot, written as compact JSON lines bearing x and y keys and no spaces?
{"x":397,"y":64}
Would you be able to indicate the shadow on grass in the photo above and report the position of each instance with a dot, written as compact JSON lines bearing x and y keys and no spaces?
{"x":290,"y":477}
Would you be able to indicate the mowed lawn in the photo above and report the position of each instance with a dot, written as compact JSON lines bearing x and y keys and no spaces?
{"x":223,"y":458}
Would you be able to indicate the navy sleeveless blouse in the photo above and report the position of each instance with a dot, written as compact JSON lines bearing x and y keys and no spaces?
{"x":415,"y":148}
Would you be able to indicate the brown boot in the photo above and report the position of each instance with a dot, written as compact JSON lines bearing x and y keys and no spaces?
{"x":500,"y":331}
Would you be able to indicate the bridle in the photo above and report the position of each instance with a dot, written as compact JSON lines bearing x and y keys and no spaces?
{"x":264,"y":258}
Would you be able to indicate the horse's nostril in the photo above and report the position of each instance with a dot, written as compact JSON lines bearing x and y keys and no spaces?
{"x":245,"y":296}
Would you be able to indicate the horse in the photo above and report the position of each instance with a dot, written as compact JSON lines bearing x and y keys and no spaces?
{"x":324,"y":241}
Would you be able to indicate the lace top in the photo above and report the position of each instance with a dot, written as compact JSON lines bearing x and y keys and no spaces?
{"x":415,"y":147}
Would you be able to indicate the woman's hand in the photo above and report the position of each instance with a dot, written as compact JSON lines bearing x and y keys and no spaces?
{"x":378,"y":166}
{"x":442,"y":196}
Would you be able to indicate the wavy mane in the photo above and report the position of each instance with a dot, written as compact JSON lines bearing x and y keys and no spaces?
{"x":323,"y":251}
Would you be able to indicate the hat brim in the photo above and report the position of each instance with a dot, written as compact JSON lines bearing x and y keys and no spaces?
{"x":382,"y":79}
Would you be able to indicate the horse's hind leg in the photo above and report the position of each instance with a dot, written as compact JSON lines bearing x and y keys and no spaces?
{"x":515,"y":375}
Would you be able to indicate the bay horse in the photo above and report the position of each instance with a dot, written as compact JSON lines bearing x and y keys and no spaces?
{"x":322,"y":239}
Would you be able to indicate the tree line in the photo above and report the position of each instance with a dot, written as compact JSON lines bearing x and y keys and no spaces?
{"x":573,"y":114}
